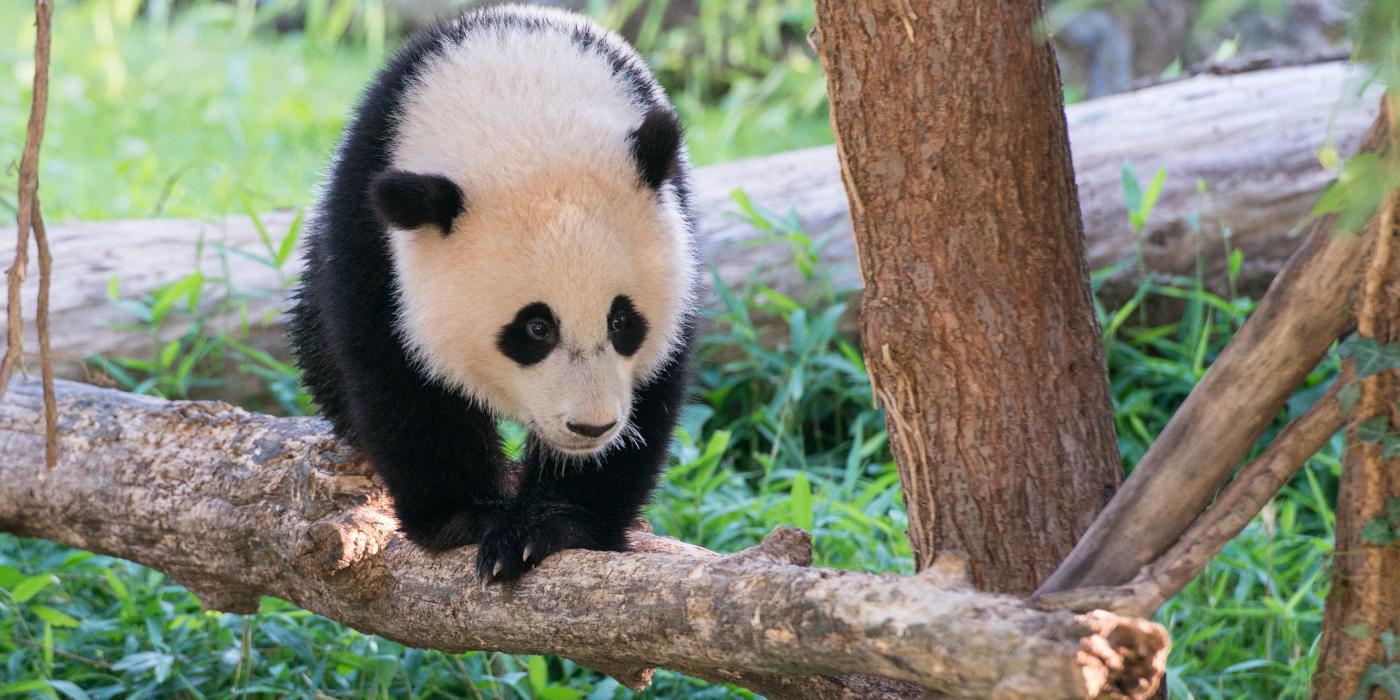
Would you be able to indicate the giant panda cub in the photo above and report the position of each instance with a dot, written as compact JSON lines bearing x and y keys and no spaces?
{"x":505,"y":232}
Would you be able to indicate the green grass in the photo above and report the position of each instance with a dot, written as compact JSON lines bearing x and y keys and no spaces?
{"x":203,"y":114}
{"x":178,"y":122}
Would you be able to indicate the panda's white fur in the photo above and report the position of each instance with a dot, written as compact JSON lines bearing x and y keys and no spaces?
{"x":534,"y":129}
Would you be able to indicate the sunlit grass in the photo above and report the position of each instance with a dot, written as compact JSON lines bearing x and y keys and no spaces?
{"x":180,"y":122}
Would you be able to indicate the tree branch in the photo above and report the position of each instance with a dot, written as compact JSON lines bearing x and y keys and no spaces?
{"x":1308,"y":307}
{"x":1255,"y":485}
{"x":237,"y":505}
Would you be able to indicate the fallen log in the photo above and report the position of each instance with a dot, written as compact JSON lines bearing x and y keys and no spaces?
{"x":1252,"y":138}
{"x":236,"y":505}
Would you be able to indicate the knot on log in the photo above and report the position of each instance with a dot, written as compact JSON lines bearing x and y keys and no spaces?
{"x":1132,"y":651}
{"x":785,"y":545}
{"x":642,"y":541}
{"x":336,"y":544}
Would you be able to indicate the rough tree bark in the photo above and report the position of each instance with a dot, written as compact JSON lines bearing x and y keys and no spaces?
{"x":977,"y":321}
{"x":1252,"y":138}
{"x":237,"y":505}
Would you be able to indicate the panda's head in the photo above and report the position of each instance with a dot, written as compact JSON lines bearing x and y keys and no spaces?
{"x":546,"y":293}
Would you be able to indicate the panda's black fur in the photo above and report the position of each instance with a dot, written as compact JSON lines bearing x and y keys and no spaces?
{"x":438,"y":451}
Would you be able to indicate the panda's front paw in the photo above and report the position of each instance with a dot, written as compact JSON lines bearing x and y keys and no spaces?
{"x":512,"y":548}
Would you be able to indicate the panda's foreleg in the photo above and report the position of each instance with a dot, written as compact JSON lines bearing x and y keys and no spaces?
{"x":587,"y":504}
{"x":441,"y":458}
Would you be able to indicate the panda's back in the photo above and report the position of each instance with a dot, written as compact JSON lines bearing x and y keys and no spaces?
{"x":511,"y":90}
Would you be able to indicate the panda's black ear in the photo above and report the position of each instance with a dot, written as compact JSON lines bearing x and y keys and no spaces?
{"x":410,"y":200}
{"x":656,"y":146}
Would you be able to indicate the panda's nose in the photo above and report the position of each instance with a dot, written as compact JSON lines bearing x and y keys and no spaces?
{"x":590,"y":431}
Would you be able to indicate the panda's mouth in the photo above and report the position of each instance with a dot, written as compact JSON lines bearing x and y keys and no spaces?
{"x":584,"y":447}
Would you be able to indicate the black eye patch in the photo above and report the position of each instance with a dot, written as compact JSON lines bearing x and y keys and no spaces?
{"x":530,"y":336}
{"x":627,"y":327}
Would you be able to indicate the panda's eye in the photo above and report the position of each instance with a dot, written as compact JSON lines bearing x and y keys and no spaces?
{"x":617,"y":321}
{"x":539,"y":329}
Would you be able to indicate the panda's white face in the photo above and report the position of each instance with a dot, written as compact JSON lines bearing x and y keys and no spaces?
{"x":549,"y":301}
{"x":563,"y":278}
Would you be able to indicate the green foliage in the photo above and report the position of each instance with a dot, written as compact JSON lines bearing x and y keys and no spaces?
{"x":1376,"y":33}
{"x":189,"y":353}
{"x":1371,"y":358}
{"x":1248,"y":625}
{"x":1357,"y":192}
{"x":785,"y":430}
{"x":1139,"y":202}
{"x":1378,"y":430}
{"x":182,"y":116}
{"x":1383,"y":530}
{"x":740,"y":72}
{"x":1378,"y":532}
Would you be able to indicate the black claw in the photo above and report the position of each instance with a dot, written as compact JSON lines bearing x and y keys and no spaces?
{"x":522,"y":539}
{"x":498,"y":559}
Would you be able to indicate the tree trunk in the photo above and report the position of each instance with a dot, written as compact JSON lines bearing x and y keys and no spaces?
{"x":1361,"y":629}
{"x":1364,"y":602}
{"x":977,"y":321}
{"x":236,"y":505}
